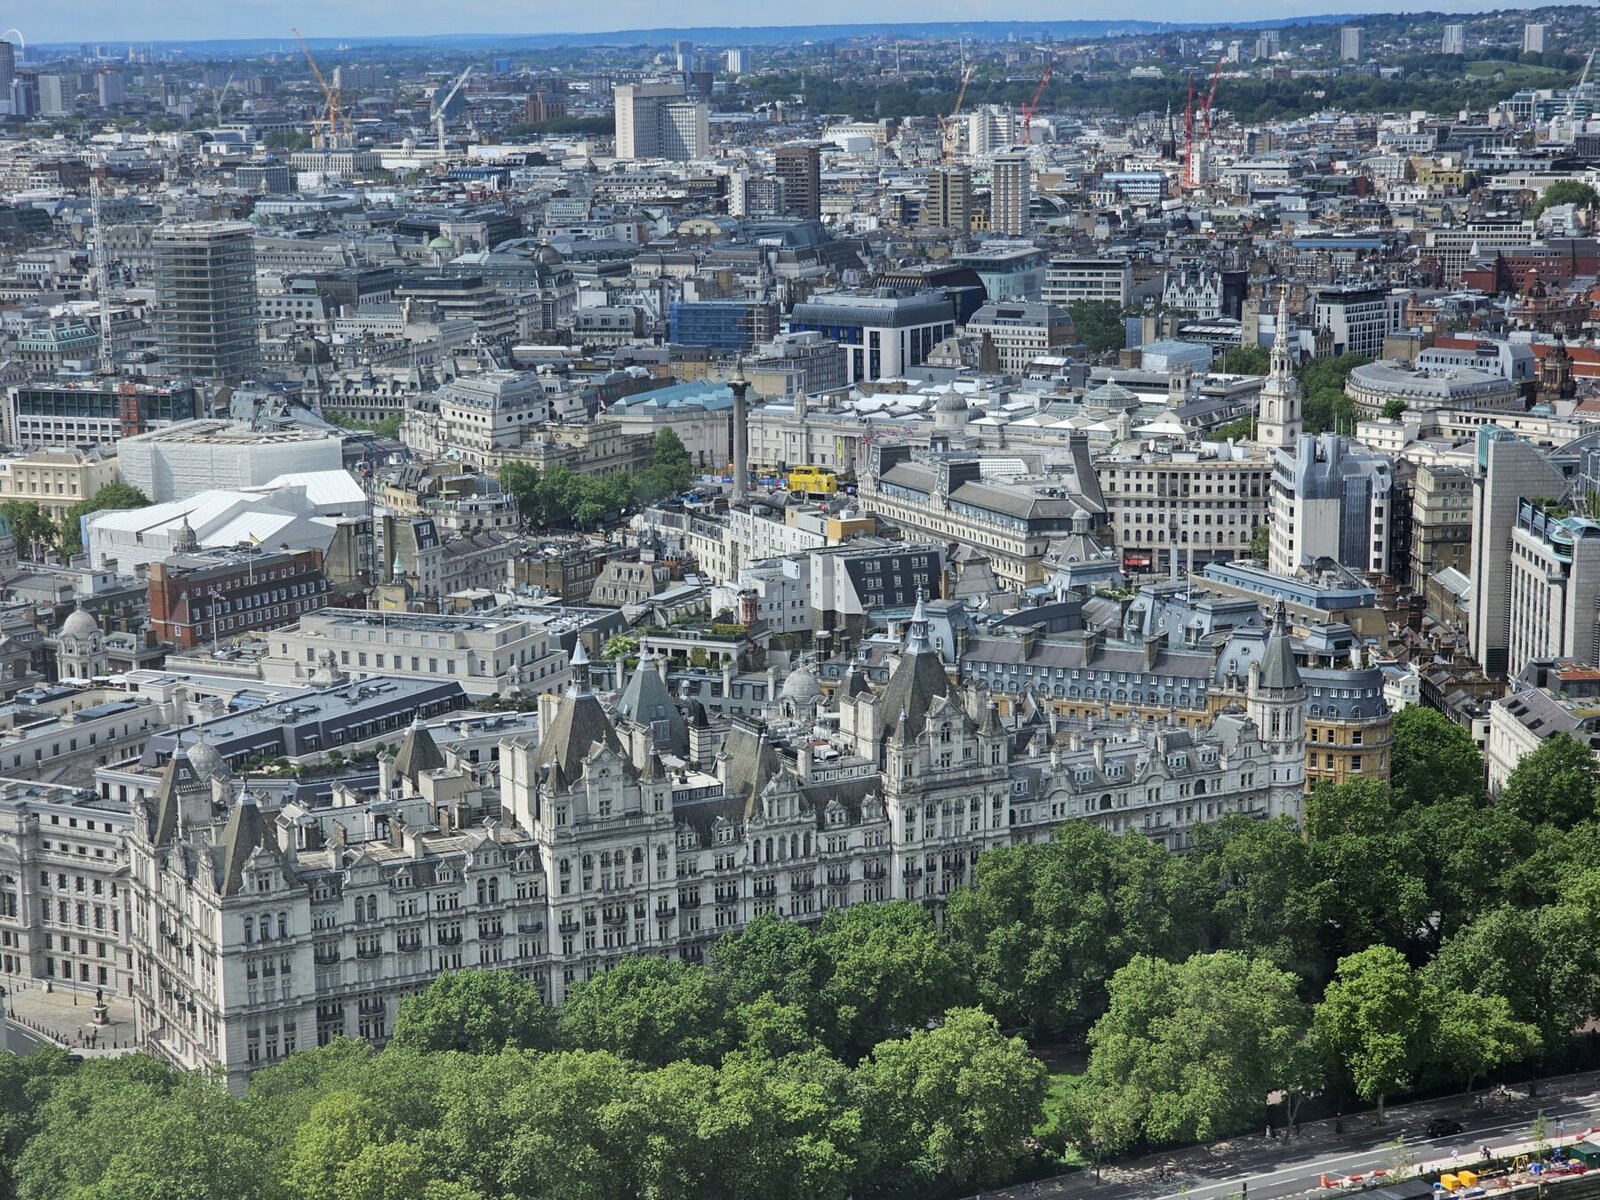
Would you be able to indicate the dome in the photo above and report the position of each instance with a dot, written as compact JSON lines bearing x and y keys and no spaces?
{"x":802,"y":686}
{"x":951,"y":402}
{"x":311,"y":351}
{"x":550,"y":256}
{"x":207,"y":761}
{"x":79,"y":624}
{"x":441,"y":243}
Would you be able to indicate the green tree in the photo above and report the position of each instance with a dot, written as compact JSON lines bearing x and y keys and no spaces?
{"x":952,"y":1104}
{"x":521,"y":483}
{"x":1045,"y":925}
{"x":1566,"y":191}
{"x":1394,"y":409}
{"x":888,"y":972}
{"x":1202,"y":1042}
{"x":651,"y":1010}
{"x":1261,"y":876}
{"x":1324,"y":405}
{"x":1544,"y":962}
{"x":1433,"y":758}
{"x":1555,"y":785}
{"x":773,"y":958}
{"x":35,"y":533}
{"x":1100,"y":1120}
{"x":1099,"y":324}
{"x":1474,"y":1034}
{"x":1247,"y":360}
{"x":790,"y":1128}
{"x":1369,"y":883}
{"x":1371,"y":1025}
{"x":1261,"y":543}
{"x":133,"y":1127}
{"x":477,"y":1012}
{"x":621,"y":645}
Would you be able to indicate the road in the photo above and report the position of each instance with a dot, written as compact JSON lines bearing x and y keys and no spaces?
{"x":1268,"y":1170}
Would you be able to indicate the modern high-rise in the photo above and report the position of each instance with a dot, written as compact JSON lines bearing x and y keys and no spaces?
{"x":1352,"y":43}
{"x":800,"y":168}
{"x":1533,"y":38}
{"x":206,"y":304}
{"x":734,"y":60}
{"x":683,"y":53}
{"x":949,"y":203}
{"x":56,"y":97}
{"x":1268,"y":43}
{"x":1010,"y":193}
{"x":1454,"y":40}
{"x":111,"y":87}
{"x":8,"y":64}
{"x":657,"y":120}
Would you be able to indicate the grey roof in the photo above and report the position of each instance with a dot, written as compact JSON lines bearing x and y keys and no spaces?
{"x":753,"y":762}
{"x":579,"y":725}
{"x":645,"y":699}
{"x":1278,"y":670}
{"x":245,"y":833}
{"x":418,"y":752}
{"x":177,"y":777}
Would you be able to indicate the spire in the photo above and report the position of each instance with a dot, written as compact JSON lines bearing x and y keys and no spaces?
{"x":1278,"y":670}
{"x":917,"y":632}
{"x":1281,"y":361}
{"x":580,"y":670}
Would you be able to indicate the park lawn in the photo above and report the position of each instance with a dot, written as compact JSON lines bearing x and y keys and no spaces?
{"x":1515,"y":72}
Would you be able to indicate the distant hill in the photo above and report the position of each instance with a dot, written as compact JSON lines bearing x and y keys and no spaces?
{"x":755,"y":35}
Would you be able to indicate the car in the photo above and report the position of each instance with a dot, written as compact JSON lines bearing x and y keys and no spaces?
{"x":1443,"y":1127}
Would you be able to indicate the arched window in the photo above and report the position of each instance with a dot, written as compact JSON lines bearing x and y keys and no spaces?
{"x":638,"y":855}
{"x":266,"y":929}
{"x":1199,"y":787}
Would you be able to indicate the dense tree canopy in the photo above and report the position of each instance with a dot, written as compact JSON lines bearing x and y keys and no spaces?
{"x":476,"y":1012}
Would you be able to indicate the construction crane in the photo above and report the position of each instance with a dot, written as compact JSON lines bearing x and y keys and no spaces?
{"x":221,"y":96}
{"x":102,"y":271}
{"x":1031,"y":105}
{"x":1211,"y":93}
{"x":328,"y":124}
{"x":1571,"y":121}
{"x":437,"y":115}
{"x":947,"y":125}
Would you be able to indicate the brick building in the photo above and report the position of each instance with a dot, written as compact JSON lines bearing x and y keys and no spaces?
{"x":215,"y":594}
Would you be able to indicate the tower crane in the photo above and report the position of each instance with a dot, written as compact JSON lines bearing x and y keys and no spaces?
{"x":1211,"y":93}
{"x":221,"y":96}
{"x":1571,"y":121}
{"x":1031,"y":105}
{"x":437,"y":115}
{"x":329,"y":123}
{"x":947,"y":125}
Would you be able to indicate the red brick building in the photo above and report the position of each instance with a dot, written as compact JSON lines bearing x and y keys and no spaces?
{"x":212,"y":595}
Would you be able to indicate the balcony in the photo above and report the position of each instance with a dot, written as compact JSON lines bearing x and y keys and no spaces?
{"x":569,"y":927}
{"x":325,"y":960}
{"x":761,"y":891}
{"x":529,"y":926}
{"x":804,"y":885}
{"x":409,"y":947}
{"x":491,"y":935}
{"x":369,"y":951}
{"x":449,"y":939}
{"x":875,"y":871}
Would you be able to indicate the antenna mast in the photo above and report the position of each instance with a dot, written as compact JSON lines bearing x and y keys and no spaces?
{"x":102,"y":271}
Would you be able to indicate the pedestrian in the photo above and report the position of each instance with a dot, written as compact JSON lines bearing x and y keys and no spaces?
{"x":1269,"y":1131}
{"x":1297,"y":1127}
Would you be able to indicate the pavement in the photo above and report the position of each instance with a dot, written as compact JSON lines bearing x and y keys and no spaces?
{"x":1258,"y":1168}
{"x":65,"y":1017}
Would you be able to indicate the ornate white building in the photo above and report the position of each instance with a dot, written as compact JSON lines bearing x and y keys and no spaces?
{"x":255,"y":932}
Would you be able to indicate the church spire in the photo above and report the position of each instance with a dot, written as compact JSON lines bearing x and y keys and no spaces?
{"x":1278,"y":426}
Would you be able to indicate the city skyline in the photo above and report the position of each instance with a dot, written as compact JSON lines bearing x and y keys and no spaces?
{"x":357,"y":19}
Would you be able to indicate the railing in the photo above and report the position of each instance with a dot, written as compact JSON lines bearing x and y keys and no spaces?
{"x":449,"y":939}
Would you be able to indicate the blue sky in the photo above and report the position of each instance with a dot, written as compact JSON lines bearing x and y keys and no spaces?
{"x":144,"y":20}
